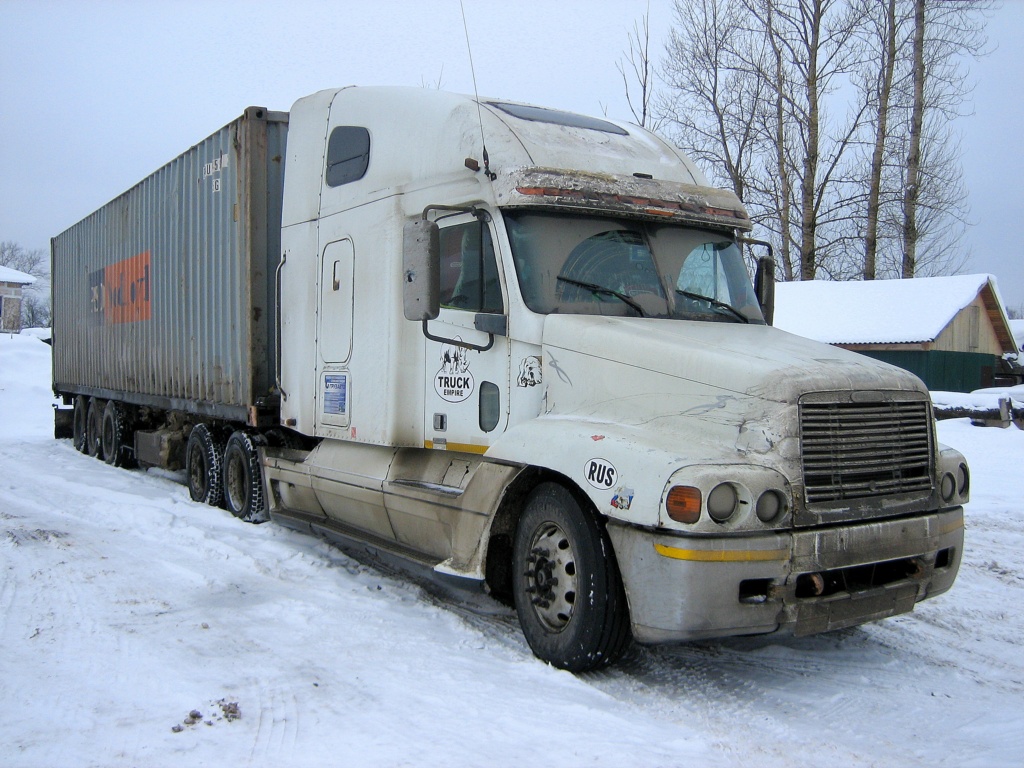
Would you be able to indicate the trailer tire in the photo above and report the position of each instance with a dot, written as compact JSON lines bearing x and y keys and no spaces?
{"x":204,"y":469}
{"x":94,"y":428}
{"x":80,"y":424}
{"x":243,"y":478}
{"x":567,"y":587}
{"x":116,"y":436}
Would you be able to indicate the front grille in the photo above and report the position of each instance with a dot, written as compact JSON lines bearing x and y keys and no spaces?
{"x":860,"y":450}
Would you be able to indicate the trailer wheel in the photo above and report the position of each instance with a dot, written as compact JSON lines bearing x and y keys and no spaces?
{"x":204,"y":465}
{"x":568,"y":591}
{"x":243,"y":478}
{"x":116,"y":436}
{"x":80,"y":424}
{"x":94,"y":428}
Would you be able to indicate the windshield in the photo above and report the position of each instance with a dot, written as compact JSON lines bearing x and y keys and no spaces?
{"x":609,"y":266}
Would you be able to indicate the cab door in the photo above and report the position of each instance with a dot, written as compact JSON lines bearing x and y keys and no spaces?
{"x":467,"y":349}
{"x":465,"y":392}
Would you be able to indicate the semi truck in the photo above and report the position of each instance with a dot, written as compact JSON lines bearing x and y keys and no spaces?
{"x":515,"y":349}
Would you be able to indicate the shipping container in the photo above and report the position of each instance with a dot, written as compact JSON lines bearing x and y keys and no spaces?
{"x":165,"y":297}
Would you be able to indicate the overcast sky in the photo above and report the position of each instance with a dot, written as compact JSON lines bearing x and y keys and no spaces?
{"x":95,"y":95}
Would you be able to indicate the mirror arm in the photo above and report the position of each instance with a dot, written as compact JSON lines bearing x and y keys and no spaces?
{"x":459,"y":342}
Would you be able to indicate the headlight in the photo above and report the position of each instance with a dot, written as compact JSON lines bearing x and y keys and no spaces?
{"x":769,"y":506}
{"x":712,"y":498}
{"x":963,"y":480}
{"x":947,"y":487}
{"x":722,"y":502}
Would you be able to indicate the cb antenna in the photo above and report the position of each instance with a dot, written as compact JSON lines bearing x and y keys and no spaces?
{"x":476,"y":95}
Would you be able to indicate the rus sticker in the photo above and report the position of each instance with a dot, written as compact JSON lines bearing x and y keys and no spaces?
{"x":600,"y":473}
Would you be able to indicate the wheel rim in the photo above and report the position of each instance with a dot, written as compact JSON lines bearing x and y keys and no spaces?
{"x":197,"y":470}
{"x":235,"y":484}
{"x":551,"y":576}
{"x":107,"y":439}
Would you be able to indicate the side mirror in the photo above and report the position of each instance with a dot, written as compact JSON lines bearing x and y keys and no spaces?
{"x":421,"y":270}
{"x":764,"y":287}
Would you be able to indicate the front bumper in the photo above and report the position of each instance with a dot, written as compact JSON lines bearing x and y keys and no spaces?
{"x":805,"y":581}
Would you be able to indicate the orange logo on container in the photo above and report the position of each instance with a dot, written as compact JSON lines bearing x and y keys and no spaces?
{"x":120,"y":292}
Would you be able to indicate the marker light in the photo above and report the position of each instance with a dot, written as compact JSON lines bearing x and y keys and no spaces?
{"x":683,"y":504}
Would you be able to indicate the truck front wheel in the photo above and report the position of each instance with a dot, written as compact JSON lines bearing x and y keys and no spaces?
{"x":243,"y":479}
{"x":567,"y":587}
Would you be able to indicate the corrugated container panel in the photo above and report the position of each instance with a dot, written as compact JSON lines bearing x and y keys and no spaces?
{"x":165,"y":296}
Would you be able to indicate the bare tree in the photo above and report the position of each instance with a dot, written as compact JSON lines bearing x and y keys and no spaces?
{"x":35,"y":311}
{"x":758,"y":92}
{"x":945,"y":36}
{"x":637,"y":68}
{"x":754,"y":86}
{"x":32,"y":262}
{"x":887,"y":32}
{"x":714,"y":99}
{"x":910,"y":194}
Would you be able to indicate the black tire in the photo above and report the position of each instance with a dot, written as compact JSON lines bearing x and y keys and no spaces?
{"x":80,"y":424}
{"x":204,"y":469}
{"x":243,"y":478}
{"x":566,"y":583}
{"x":117,"y":436}
{"x":94,"y":428}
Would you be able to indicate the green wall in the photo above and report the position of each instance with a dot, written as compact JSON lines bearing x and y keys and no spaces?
{"x":944,"y":371}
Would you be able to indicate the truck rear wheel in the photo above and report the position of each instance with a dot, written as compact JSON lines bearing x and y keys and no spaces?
{"x":116,"y":436}
{"x":80,"y":424}
{"x":204,"y":465}
{"x":568,"y":591}
{"x":94,"y":427}
{"x":243,"y":479}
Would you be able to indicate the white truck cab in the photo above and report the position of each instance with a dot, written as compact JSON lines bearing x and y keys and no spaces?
{"x":530,"y":358}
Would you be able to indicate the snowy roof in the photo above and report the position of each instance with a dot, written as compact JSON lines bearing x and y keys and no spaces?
{"x":8,"y":275}
{"x":1017,"y":328}
{"x":883,"y":311}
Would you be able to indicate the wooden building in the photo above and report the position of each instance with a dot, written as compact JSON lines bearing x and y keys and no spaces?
{"x":12,"y":282}
{"x":951,"y":331}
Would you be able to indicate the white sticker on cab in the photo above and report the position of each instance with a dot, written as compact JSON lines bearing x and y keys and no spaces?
{"x":600,"y":473}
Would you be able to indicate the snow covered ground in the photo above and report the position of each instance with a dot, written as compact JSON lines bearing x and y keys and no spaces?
{"x":124,"y":607}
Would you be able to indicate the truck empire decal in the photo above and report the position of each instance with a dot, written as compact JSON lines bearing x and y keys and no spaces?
{"x":454,"y":382}
{"x":120,"y":292}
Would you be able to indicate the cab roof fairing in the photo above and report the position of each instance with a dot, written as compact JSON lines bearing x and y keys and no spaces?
{"x":620,"y":194}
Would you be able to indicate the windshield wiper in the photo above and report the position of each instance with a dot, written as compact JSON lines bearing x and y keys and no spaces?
{"x":605,"y":291}
{"x":714,"y":303}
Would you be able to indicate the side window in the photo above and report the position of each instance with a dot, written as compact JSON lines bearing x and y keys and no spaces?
{"x":469,"y":272}
{"x":348,"y":155}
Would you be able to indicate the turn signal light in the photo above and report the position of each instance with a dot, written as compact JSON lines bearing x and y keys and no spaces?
{"x":683,"y":504}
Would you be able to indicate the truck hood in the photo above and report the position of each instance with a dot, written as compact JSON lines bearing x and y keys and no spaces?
{"x":719,"y":387}
{"x":743,"y":360}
